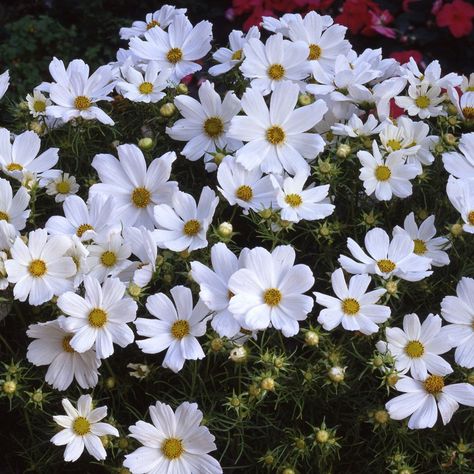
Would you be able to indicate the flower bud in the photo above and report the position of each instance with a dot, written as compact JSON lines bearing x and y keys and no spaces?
{"x":336,"y":374}
{"x":217,"y":344}
{"x":167,"y":110}
{"x":238,"y":354}
{"x":311,"y":338}
{"x":268,"y":384}
{"x":456,"y":230}
{"x":381,"y":417}
{"x":225,"y":230}
{"x":305,"y":99}
{"x":146,"y":144}
{"x":182,"y":88}
{"x":218,"y":157}
{"x":9,"y":387}
{"x":343,"y":150}
{"x":322,"y":436}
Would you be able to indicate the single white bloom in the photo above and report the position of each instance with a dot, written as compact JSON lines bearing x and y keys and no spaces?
{"x":459,"y":311}
{"x":416,"y":348}
{"x":85,"y":220}
{"x":13,"y":209}
{"x":99,"y":319}
{"x":52,"y":347}
{"x":247,"y":189}
{"x":423,"y":101}
{"x":62,"y":187}
{"x":147,"y":87}
{"x":136,"y":188}
{"x":461,"y":195}
{"x":386,"y":177}
{"x":431,"y":76}
{"x":82,"y":429}
{"x":205,"y":123}
{"x":278,"y":136}
{"x":176,"y":49}
{"x":161,"y":18}
{"x":423,"y":398}
{"x":20,"y":159}
{"x":40,"y":269}
{"x":184,"y":224}
{"x":386,"y":258}
{"x":464,"y":103}
{"x":355,"y":127}
{"x":228,"y":58}
{"x":4,"y":82}
{"x":354,"y":308}
{"x":426,"y":244}
{"x":282,"y":24}
{"x":269,"y":290}
{"x":461,"y":165}
{"x":275,"y":61}
{"x":176,"y":327}
{"x":76,"y":94}
{"x":176,"y":443}
{"x":37,"y":103}
{"x":298,"y":204}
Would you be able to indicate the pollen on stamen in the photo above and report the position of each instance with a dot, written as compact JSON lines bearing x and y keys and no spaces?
{"x":414,"y":349}
{"x":141,"y":197}
{"x":213,"y":127}
{"x":82,"y":229}
{"x":97,"y":318}
{"x":470,"y":218}
{"x":180,"y":329}
{"x":63,"y":187}
{"x":4,"y":216}
{"x":314,"y":52}
{"x":108,"y":259}
{"x":82,"y":102}
{"x":81,"y":426}
{"x":434,"y":384}
{"x":275,"y":135}
{"x":382,"y":173}
{"x":395,"y":145}
{"x":420,"y":247}
{"x":174,"y":55}
{"x":276,"y":72}
{"x":37,"y":268}
{"x":350,"y":306}
{"x":272,"y":296}
{"x":423,"y":102}
{"x":192,"y":227}
{"x":293,"y":200}
{"x":386,"y":266}
{"x":468,"y":113}
{"x":244,"y":193}
{"x":146,"y":88}
{"x":39,"y":106}
{"x":172,"y":448}
{"x":152,"y":24}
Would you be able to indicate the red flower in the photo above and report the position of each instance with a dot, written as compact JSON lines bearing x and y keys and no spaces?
{"x":457,"y":16}
{"x":404,"y":56}
{"x":395,"y":110}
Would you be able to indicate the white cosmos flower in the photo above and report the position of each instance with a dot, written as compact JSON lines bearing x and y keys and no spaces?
{"x":464,"y":103}
{"x":176,"y":443}
{"x":298,"y":204}
{"x":176,"y":327}
{"x":184,"y":225}
{"x":205,"y":123}
{"x":147,"y":87}
{"x":82,"y":429}
{"x":461,"y":195}
{"x":85,"y":220}
{"x":277,"y":135}
{"x":354,"y":308}
{"x":20,"y":159}
{"x":228,"y":58}
{"x":355,"y":127}
{"x":61,"y":187}
{"x":75,"y":93}
{"x":386,"y":177}
{"x":431,"y":76}
{"x":461,"y":165}
{"x":78,"y":252}
{"x":426,"y":244}
{"x":4,"y":82}
{"x":248,"y":189}
{"x":273,"y":62}
{"x":161,"y":18}
{"x":40,"y":269}
{"x":269,"y":290}
{"x":385,"y":257}
{"x":13,"y":208}
{"x":52,"y":347}
{"x":178,"y":48}
{"x":108,"y":255}
{"x":135,"y":188}
{"x":282,"y":24}
{"x":423,"y":398}
{"x":99,"y":319}
{"x":324,"y":43}
{"x":416,"y":348}
{"x":459,"y":311}
{"x":467,"y":83}
{"x":214,"y":287}
{"x":37,"y":103}
{"x":423,"y":101}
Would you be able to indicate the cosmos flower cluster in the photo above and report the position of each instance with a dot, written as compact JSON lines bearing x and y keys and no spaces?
{"x":302,"y":90}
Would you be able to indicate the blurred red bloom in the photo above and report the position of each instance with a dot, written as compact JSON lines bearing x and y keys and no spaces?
{"x":404,"y":56}
{"x":457,"y":16}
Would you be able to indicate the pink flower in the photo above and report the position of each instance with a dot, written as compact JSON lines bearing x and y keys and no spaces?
{"x":404,"y":56}
{"x":457,"y":16}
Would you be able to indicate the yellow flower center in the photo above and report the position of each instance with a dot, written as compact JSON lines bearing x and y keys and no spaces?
{"x":275,"y":135}
{"x":414,"y":349}
{"x":108,"y":259}
{"x":63,"y":187}
{"x":180,"y":329}
{"x":237,"y":56}
{"x":420,"y":247}
{"x":293,"y":200}
{"x":470,"y":89}
{"x":470,"y":218}
{"x":4,"y":216}
{"x":83,"y":228}
{"x":244,"y":193}
{"x":146,"y":88}
{"x":66,"y":344}
{"x":175,"y":55}
{"x":81,"y":426}
{"x":314,"y":52}
{"x":39,"y":106}
{"x":382,"y":173}
{"x":422,"y":102}
{"x":350,"y":306}
{"x":276,"y":72}
{"x":82,"y":102}
{"x":394,"y":144}
{"x":141,"y":197}
{"x":152,"y":24}
{"x":386,"y":266}
{"x":192,"y":227}
{"x":97,"y":317}
{"x":14,"y":167}
{"x":213,"y":127}
{"x":434,"y":384}
{"x":468,"y":113}
{"x":272,"y":296}
{"x":37,"y":268}
{"x":172,"y":448}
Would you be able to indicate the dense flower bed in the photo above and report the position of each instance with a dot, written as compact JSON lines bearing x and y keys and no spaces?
{"x":256,"y":257}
